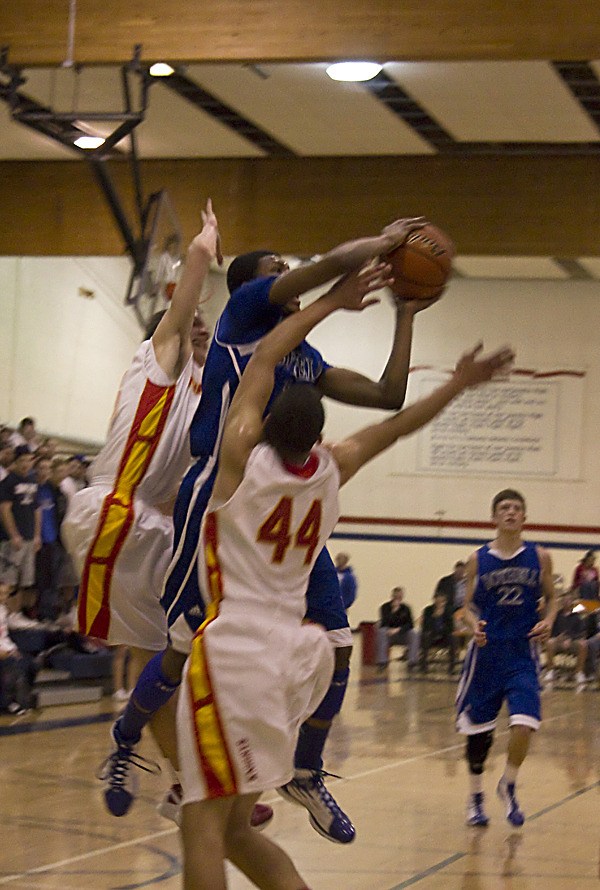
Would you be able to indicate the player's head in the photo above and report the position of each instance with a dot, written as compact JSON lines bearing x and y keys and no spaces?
{"x":508,"y":509}
{"x":199,"y":334}
{"x":256,"y":264}
{"x":294,"y":422}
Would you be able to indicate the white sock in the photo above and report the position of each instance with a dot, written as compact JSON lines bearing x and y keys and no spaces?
{"x":510,"y":773}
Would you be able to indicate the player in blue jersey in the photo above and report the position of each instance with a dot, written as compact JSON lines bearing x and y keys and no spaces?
{"x":263,"y":290}
{"x":510,"y":606}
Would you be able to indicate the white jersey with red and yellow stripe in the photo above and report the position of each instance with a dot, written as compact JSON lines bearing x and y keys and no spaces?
{"x":120,"y":542}
{"x":255,"y":672}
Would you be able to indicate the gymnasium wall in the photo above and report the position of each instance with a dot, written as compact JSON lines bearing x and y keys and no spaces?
{"x":65,"y":340}
{"x":62,"y":355}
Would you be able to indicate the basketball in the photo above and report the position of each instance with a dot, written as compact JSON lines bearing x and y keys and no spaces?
{"x":422,"y":265}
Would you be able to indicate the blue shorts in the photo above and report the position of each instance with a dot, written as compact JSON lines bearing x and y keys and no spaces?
{"x":506,"y":670}
{"x":181,"y":594}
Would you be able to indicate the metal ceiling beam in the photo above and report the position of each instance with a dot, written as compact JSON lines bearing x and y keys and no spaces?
{"x":189,"y":90}
{"x":65,"y":127}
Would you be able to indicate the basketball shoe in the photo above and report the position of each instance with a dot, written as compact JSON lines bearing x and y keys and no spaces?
{"x":120,"y":784}
{"x":170,"y":808}
{"x":307,"y":789}
{"x":476,"y":814}
{"x":506,"y":792}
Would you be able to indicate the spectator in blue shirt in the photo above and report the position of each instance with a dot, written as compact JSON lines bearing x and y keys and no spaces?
{"x":346,"y":578}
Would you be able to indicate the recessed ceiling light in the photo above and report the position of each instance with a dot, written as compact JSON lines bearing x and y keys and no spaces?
{"x":353,"y":70}
{"x":161,"y":69}
{"x":89,"y":141}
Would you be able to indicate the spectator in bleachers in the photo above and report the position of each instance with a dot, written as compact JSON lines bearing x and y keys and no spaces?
{"x":567,"y":636}
{"x":346,"y":579}
{"x":7,"y":456}
{"x":5,"y":434}
{"x":26,"y":434}
{"x":48,"y":448}
{"x":48,"y":556}
{"x":437,"y":631}
{"x":586,"y":577}
{"x":453,"y":587}
{"x":67,"y":576}
{"x":396,"y":628}
{"x":20,"y":523}
{"x":17,"y":670}
{"x":76,"y":476}
{"x":593,"y":643}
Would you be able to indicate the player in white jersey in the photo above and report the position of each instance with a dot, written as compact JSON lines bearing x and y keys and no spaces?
{"x":255,"y":671}
{"x":115,"y":530}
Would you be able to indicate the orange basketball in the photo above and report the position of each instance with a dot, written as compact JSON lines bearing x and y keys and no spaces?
{"x":422,"y":265}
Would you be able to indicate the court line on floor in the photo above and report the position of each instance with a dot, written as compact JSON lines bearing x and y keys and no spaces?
{"x":168,"y":831}
{"x":89,"y":855}
{"x":438,"y":751}
{"x":450,"y":860}
{"x":439,"y":866}
{"x":19,"y":728}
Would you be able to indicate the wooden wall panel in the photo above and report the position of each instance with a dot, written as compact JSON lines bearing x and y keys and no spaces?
{"x":283,"y":30}
{"x":497,"y":205}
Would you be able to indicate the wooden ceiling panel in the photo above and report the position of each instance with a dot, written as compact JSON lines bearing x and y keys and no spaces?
{"x":292,"y":30}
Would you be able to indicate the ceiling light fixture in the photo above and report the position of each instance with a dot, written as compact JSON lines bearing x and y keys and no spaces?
{"x":89,"y":141}
{"x":353,"y":71}
{"x":161,"y":69}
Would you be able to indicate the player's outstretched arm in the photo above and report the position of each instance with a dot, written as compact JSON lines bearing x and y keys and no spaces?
{"x":243,"y":429}
{"x":352,"y":453}
{"x":342,"y":259}
{"x":389,"y":391}
{"x":171,"y":339}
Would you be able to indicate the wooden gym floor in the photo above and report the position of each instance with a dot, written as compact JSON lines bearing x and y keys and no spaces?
{"x":404,"y":786}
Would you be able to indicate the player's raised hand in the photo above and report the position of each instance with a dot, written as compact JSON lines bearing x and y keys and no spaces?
{"x":398,"y":231}
{"x":479,"y":635}
{"x":351,"y":292}
{"x":210,"y":232}
{"x":471,"y":370}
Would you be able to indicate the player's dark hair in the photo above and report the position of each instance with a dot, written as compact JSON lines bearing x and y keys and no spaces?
{"x":507,"y":494}
{"x":295,"y":420}
{"x":153,"y":324}
{"x":244,"y":268}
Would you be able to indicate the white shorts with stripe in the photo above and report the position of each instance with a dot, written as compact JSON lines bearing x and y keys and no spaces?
{"x":241,"y":705}
{"x":127,"y":585}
